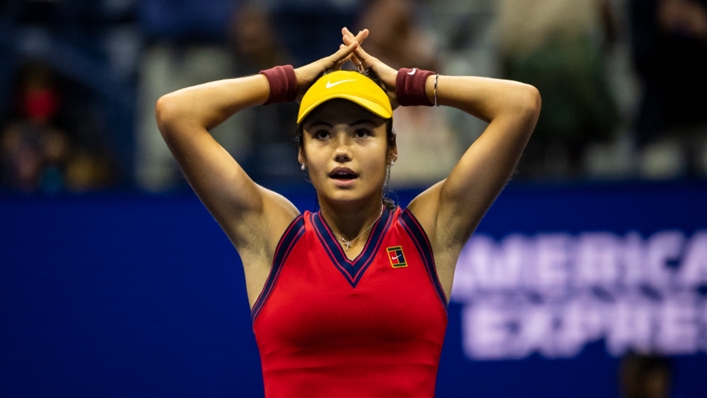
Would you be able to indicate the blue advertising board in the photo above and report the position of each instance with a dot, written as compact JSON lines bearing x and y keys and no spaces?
{"x":120,"y":294}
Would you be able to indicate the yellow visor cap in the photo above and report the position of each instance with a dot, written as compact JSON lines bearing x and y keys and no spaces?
{"x":348,"y":85}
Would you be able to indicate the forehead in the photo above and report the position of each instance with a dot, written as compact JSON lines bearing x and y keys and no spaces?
{"x":340,"y":111}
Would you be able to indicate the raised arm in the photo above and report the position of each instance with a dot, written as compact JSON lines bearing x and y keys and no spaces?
{"x":184,"y":118}
{"x":453,"y":208}
{"x":450,"y":210}
{"x":253,"y":217}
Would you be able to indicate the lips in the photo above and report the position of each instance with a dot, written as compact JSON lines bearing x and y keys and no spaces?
{"x":342,"y":173}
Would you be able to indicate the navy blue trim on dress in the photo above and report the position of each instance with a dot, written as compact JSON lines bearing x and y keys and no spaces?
{"x":422,"y":243}
{"x":284,"y":247}
{"x":352,"y":270}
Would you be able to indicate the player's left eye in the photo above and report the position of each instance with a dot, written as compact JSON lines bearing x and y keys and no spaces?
{"x":360,"y":133}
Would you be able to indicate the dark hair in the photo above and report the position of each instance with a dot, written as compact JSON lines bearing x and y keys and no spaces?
{"x":390,"y":136}
{"x":639,"y":374}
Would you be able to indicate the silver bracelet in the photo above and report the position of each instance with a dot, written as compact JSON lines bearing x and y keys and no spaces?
{"x":436,"y":79}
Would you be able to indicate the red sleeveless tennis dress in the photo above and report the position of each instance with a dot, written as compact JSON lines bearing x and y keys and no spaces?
{"x":327,"y":326}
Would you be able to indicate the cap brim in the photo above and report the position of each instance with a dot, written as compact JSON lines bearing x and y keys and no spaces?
{"x":371,"y":106}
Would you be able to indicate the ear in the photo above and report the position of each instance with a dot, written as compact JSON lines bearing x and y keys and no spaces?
{"x":392,"y":151}
{"x":393,"y":156}
{"x":301,"y":158}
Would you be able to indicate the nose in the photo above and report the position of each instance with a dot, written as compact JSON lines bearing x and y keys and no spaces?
{"x":342,"y":153}
{"x":342,"y":157}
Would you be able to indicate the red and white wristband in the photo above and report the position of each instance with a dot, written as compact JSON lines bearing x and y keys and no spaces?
{"x":410,"y":87}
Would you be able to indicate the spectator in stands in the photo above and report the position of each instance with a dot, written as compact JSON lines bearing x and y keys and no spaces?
{"x":669,"y":45}
{"x":39,"y":147}
{"x":645,"y":376}
{"x":399,"y":39}
{"x":185,"y":45}
{"x":256,"y":45}
{"x":560,"y":46}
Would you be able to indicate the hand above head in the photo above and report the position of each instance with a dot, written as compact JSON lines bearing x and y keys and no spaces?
{"x":308,"y":74}
{"x":360,"y":37}
{"x":364,"y":61}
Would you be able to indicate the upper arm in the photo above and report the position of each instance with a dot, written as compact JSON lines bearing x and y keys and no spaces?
{"x":451,"y":209}
{"x":247,"y":212}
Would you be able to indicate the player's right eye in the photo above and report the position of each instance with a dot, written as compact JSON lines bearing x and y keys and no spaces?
{"x":321,"y":134}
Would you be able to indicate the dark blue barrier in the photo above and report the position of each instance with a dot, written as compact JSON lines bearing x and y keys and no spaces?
{"x":126,"y":295}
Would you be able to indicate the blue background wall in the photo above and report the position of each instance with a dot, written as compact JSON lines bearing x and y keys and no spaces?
{"x":118,"y":295}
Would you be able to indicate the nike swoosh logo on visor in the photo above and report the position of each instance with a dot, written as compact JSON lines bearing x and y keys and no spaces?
{"x":412,"y":72}
{"x":329,"y":84}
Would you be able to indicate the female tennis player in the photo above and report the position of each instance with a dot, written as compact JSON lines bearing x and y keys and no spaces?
{"x":349,"y":301}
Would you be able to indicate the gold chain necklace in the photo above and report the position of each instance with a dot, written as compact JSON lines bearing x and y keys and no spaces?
{"x":348,"y":243}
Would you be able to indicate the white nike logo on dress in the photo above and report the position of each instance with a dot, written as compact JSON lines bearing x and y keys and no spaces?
{"x":412,"y":72}
{"x":396,"y":257}
{"x":329,"y":84}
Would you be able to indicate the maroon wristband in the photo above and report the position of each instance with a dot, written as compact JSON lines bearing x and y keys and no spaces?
{"x":410,"y":87}
{"x":283,"y":84}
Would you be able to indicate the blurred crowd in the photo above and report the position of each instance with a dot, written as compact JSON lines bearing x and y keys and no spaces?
{"x":621,"y":82}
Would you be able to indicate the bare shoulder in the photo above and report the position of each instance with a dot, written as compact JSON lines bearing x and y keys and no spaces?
{"x":279,"y":213}
{"x":424,"y":208}
{"x":445,"y":241}
{"x":255,"y":234}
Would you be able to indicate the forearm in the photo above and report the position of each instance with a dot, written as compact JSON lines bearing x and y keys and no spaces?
{"x":208,"y":105}
{"x":486,"y":98}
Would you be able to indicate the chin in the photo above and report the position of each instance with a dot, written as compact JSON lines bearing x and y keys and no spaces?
{"x":348,"y":196}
